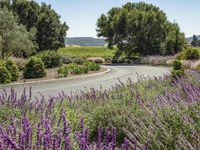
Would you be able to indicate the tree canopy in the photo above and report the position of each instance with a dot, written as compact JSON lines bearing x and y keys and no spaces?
{"x":50,"y":33}
{"x":14,"y":38}
{"x":140,"y":28}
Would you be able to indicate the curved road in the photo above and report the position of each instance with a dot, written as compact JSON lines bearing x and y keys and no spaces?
{"x":122,"y":72}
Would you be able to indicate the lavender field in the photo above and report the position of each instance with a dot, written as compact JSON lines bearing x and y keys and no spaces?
{"x":159,"y":113}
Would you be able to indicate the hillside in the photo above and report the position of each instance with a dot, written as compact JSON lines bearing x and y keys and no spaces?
{"x":191,"y":38}
{"x":84,"y":41}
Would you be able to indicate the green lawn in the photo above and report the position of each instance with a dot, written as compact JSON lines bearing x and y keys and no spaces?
{"x":87,"y":51}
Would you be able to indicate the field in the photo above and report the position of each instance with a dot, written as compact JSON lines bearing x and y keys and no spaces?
{"x":86,"y":51}
{"x":160,"y":113}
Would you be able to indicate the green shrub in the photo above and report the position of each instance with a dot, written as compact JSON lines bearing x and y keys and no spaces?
{"x":51,"y":59}
{"x":34,"y":69}
{"x":92,"y":66}
{"x":178,"y":68}
{"x":75,"y":69}
{"x":181,"y":56}
{"x":192,"y":54}
{"x":78,"y":60}
{"x":85,"y":69}
{"x":177,"y":73}
{"x":177,"y":65}
{"x":189,"y":54}
{"x":63,"y":71}
{"x":5,"y":76}
{"x":13,"y":69}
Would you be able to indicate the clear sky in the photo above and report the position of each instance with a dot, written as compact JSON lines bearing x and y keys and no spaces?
{"x":81,"y":15}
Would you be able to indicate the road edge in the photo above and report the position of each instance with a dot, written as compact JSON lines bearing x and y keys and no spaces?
{"x":57,"y":80}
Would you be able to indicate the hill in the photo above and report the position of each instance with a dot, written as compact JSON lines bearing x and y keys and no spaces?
{"x":84,"y":41}
{"x":191,"y":38}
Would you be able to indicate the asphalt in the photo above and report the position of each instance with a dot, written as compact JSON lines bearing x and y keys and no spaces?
{"x":105,"y":81}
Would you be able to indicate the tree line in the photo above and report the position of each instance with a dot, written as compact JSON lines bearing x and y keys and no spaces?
{"x":140,"y":28}
{"x":135,"y":28}
{"x":27,"y":28}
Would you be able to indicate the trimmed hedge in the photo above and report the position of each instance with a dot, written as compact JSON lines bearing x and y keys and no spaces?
{"x":34,"y":69}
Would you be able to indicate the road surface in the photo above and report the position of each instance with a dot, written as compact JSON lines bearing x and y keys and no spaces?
{"x":122,"y":72}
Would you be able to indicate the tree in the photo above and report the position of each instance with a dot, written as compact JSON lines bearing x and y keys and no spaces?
{"x":5,"y":3}
{"x":14,"y":38}
{"x":195,"y":41}
{"x":51,"y":32}
{"x":140,"y":28}
{"x":27,"y":11}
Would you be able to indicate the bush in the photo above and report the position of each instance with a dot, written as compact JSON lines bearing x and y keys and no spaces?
{"x":85,"y":69}
{"x":5,"y":76}
{"x":78,"y":60}
{"x":63,"y":71}
{"x":13,"y":69}
{"x":51,"y":59}
{"x":66,"y":60}
{"x":178,"y":68}
{"x":92,"y":66}
{"x":192,"y":54}
{"x":34,"y":69}
{"x":75,"y":69}
{"x":189,"y":54}
{"x":177,"y":65}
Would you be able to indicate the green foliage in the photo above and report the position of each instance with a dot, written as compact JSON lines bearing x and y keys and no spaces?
{"x":198,"y":67}
{"x":178,"y":68}
{"x":92,"y":66}
{"x":34,"y":69}
{"x":140,"y":28}
{"x":51,"y":32}
{"x":64,"y":71}
{"x":77,"y":69}
{"x":51,"y":59}
{"x":13,"y":69}
{"x":195,"y":42}
{"x":14,"y":38}
{"x":192,"y":53}
{"x":5,"y":76}
{"x":189,"y":54}
{"x":107,"y":116}
{"x":87,"y":51}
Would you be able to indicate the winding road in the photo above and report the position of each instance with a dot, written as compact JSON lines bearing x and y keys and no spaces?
{"x":116,"y":73}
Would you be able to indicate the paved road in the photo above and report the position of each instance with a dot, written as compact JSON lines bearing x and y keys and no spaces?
{"x":122,"y":72}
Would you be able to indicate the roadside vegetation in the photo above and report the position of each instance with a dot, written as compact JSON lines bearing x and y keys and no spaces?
{"x":159,"y":113}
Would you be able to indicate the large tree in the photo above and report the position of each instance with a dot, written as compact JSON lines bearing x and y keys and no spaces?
{"x":14,"y":38}
{"x":51,"y":32}
{"x":140,"y":28}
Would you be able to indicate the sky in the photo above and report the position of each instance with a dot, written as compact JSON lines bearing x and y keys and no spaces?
{"x":81,"y":15}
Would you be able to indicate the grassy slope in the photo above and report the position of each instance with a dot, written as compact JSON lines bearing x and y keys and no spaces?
{"x":85,"y":52}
